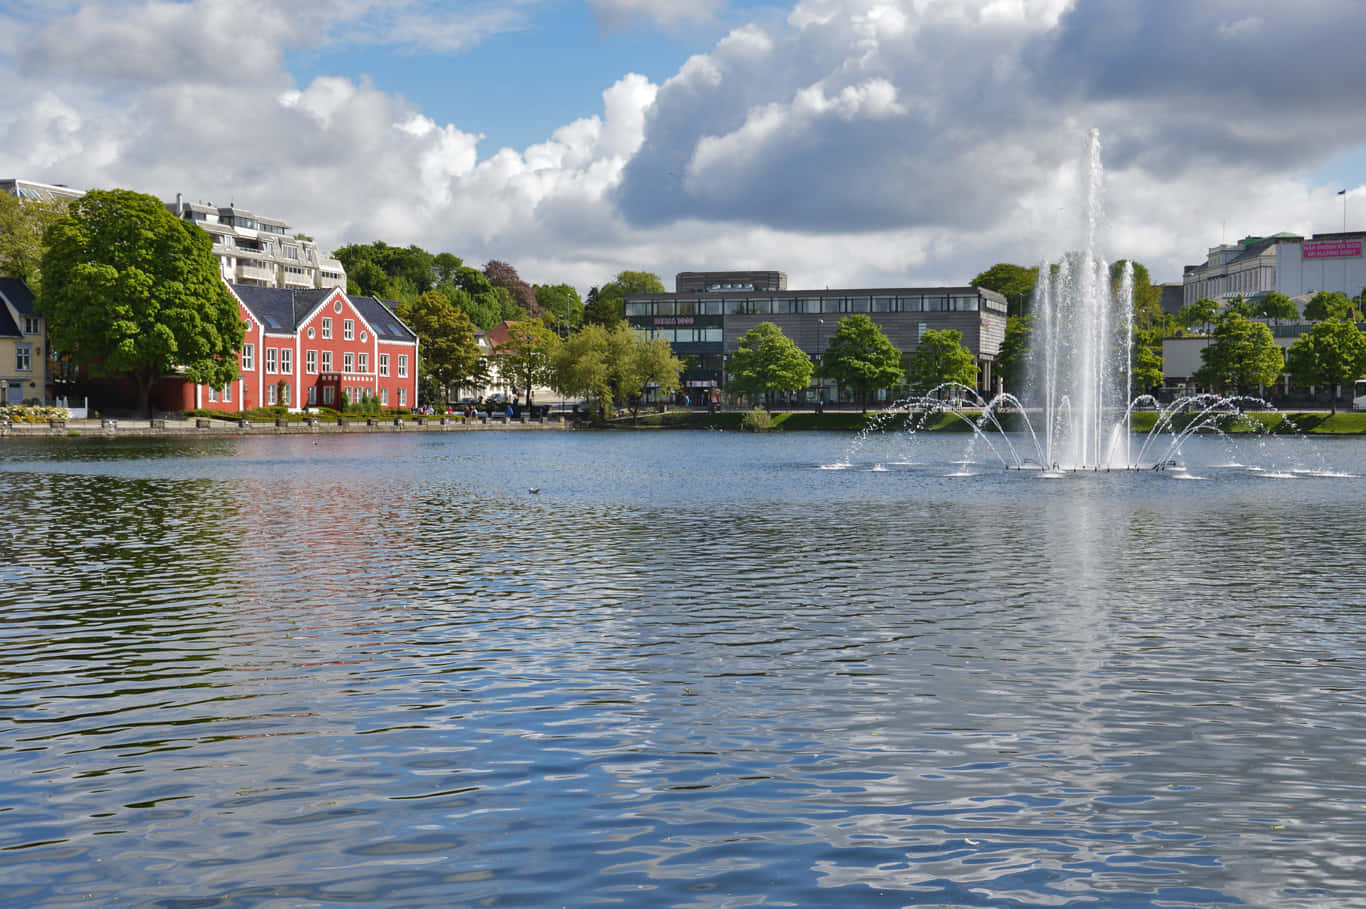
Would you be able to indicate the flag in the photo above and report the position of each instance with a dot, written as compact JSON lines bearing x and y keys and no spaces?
{"x":1342,"y":192}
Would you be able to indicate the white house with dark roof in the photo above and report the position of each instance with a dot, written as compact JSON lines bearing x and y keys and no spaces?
{"x":23,"y":363}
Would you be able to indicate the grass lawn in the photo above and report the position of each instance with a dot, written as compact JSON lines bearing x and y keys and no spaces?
{"x":1312,"y":422}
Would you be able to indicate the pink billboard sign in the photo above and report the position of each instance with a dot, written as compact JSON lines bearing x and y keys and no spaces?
{"x":1332,"y":249}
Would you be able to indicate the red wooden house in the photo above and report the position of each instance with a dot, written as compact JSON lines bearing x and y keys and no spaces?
{"x":311,"y":347}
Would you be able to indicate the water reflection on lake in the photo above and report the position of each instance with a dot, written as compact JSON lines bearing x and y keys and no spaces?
{"x":695,"y":669}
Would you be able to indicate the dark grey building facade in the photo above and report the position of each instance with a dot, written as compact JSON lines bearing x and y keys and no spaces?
{"x":709,"y":312}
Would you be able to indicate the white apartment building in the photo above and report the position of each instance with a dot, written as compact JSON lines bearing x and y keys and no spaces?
{"x":1285,"y":263}
{"x":261,"y":251}
{"x":250,"y":249}
{"x":42,"y":192}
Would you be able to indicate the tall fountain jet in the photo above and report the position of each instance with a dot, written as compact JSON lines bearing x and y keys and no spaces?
{"x":1083,"y":352}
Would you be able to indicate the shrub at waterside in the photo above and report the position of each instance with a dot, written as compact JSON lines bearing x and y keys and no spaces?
{"x":30,"y":413}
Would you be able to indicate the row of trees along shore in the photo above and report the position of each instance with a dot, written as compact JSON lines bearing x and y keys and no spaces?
{"x":131,"y":290}
{"x":1242,"y":355}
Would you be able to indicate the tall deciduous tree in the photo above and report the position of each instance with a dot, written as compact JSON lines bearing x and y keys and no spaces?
{"x":614,"y":365}
{"x":527,"y":358}
{"x":1333,"y":352}
{"x":1202,"y":313}
{"x":608,"y":305}
{"x":1330,"y":305}
{"x":449,"y":352}
{"x":940,"y":358}
{"x":22,"y":225}
{"x":1012,"y":360}
{"x":130,"y":289}
{"x":765,"y":361}
{"x":859,"y":356}
{"x":501,"y":274}
{"x":1014,"y":282}
{"x":562,"y":303}
{"x":1276,"y":307}
{"x":1241,"y":355}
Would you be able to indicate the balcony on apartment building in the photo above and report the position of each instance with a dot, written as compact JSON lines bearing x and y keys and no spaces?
{"x":295,"y":279}
{"x":250,"y":272}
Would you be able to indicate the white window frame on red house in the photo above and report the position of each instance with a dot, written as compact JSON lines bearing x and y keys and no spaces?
{"x":384,"y":397}
{"x":327,"y":361}
{"x":362,"y":363}
{"x":402,"y":366}
{"x":327,"y":327}
{"x":348,"y":362}
{"x":348,"y":329}
{"x":270,"y":393}
{"x":312,"y":394}
{"x":403,"y":397}
{"x":270,"y":360}
{"x":384,"y":364}
{"x":311,"y":362}
{"x":227,"y":393}
{"x":249,"y":357}
{"x":286,"y":361}
{"x":213,"y":395}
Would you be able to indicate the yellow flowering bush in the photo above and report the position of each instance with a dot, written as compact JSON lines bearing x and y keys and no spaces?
{"x":30,"y":413}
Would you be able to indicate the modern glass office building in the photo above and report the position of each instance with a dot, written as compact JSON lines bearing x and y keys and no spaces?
{"x":706,"y":316}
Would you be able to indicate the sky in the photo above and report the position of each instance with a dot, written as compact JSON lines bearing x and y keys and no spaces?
{"x":848,"y":143}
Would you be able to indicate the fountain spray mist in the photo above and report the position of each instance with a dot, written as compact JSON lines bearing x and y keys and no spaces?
{"x":1083,"y":349}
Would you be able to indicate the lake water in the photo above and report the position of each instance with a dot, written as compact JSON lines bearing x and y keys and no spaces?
{"x":695,"y":669}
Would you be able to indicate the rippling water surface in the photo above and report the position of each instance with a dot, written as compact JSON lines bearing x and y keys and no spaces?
{"x":695,"y":669}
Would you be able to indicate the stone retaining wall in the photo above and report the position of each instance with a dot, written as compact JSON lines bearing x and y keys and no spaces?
{"x":171,"y":426}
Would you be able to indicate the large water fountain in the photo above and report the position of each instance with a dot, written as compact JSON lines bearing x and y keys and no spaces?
{"x":1077,"y":405}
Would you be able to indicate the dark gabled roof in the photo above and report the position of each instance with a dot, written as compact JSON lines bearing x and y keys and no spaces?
{"x":283,"y":310}
{"x":380,"y":314}
{"x":8,"y":327}
{"x":17,"y":294}
{"x":279,"y":309}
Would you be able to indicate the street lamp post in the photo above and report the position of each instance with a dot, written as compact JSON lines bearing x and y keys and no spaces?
{"x":820,"y":384}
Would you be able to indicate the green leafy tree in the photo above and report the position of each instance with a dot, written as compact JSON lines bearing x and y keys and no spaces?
{"x":1012,"y":360}
{"x":582,"y":366}
{"x":940,"y":357}
{"x":1332,"y":352}
{"x":413,"y":264}
{"x":613,"y":365}
{"x":1201,"y":313}
{"x":23,"y":222}
{"x":130,"y":289}
{"x":527,"y":358}
{"x":766,"y":361}
{"x":1241,"y":305}
{"x":1147,"y":296}
{"x":859,"y":356}
{"x":562,"y":303}
{"x":450,"y":355}
{"x":1014,"y":282}
{"x":608,"y":305}
{"x":366,"y":279}
{"x":1241,"y":355}
{"x":642,"y":364}
{"x":1276,"y":307}
{"x":1330,"y":305}
{"x":1146,"y":369}
{"x":446,"y":267}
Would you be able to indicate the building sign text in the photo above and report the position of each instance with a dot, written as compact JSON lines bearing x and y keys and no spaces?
{"x":1332,"y":249}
